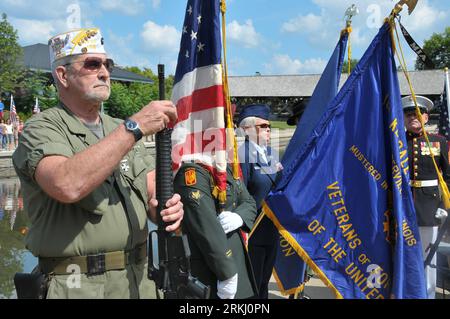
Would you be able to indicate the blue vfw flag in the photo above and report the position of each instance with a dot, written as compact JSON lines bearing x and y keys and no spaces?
{"x":345,"y":205}
{"x":289,"y":268}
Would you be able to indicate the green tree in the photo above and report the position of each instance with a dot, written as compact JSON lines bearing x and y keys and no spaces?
{"x":437,"y":48}
{"x":127,"y":99}
{"x":353,"y":63}
{"x":33,"y":84}
{"x":10,"y":52}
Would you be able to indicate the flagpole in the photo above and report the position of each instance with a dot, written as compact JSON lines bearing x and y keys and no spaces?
{"x":349,"y":14}
{"x":229,"y":124}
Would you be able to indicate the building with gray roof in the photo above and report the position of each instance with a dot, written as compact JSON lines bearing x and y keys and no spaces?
{"x":282,"y":91}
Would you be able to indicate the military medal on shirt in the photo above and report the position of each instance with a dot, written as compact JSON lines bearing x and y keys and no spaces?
{"x":124,"y":165}
{"x":425,"y":150}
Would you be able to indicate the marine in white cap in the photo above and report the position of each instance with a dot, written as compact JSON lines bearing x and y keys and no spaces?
{"x":88,"y":182}
{"x":424,"y":179}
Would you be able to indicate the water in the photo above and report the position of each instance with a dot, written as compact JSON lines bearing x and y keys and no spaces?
{"x":14,"y":224}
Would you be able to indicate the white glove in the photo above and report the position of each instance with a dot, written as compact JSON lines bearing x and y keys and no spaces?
{"x":441,"y":213}
{"x":227,"y":289}
{"x":230,"y":221}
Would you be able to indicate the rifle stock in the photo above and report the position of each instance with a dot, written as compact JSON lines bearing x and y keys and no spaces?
{"x":171,"y":269}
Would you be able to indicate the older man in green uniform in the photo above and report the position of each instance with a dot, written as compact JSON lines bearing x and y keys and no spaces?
{"x":218,"y":254}
{"x":87,"y":181}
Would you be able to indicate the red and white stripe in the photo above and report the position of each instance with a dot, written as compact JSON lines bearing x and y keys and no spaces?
{"x":199,"y":132}
{"x":12,"y":111}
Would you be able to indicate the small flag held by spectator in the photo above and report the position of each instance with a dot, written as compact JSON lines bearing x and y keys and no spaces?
{"x":12,"y":111}
{"x":36,"y":108}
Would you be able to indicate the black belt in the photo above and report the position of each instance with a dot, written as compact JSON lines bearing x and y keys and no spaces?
{"x":94,"y":264}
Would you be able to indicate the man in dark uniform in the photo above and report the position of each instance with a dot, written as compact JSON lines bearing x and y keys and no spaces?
{"x":297,"y":112}
{"x":218,"y":254}
{"x":259,"y":171}
{"x":424,"y":179}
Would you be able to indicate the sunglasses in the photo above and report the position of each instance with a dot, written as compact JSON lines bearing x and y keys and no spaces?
{"x":94,"y":65}
{"x":264,"y":126}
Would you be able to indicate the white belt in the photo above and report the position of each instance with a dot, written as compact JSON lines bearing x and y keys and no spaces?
{"x":429,"y":183}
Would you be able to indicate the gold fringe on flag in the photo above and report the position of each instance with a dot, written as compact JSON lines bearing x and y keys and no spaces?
{"x":300,"y":251}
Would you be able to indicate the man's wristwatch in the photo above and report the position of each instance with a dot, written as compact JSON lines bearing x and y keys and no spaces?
{"x":133,"y":127}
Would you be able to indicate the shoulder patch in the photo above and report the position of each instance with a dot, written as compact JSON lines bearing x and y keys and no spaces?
{"x":190,"y":177}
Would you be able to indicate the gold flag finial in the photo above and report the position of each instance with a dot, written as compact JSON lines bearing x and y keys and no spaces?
{"x":410,"y":3}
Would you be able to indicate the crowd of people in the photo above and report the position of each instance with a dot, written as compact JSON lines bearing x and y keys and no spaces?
{"x":89,"y":188}
{"x":10,"y":133}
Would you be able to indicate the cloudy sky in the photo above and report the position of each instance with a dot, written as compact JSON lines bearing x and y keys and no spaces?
{"x":266,"y":36}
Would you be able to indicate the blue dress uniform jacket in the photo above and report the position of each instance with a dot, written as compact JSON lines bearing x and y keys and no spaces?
{"x":427,"y":199}
{"x":259,"y":176}
{"x":214,"y":254}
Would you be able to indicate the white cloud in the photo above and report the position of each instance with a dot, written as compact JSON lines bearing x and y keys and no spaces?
{"x":284,"y":64}
{"x":303,"y":24}
{"x":160,"y":39}
{"x":120,"y":49}
{"x":127,"y":7}
{"x":43,"y":9}
{"x":425,"y":19}
{"x":34,"y":31}
{"x":321,"y":30}
{"x":357,"y":38}
{"x":243,"y":34}
{"x":38,"y":21}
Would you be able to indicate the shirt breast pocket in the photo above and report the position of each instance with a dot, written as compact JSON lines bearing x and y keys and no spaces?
{"x":136,"y":175}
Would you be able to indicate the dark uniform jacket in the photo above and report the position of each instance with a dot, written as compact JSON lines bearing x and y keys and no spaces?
{"x":214,"y":254}
{"x":259,"y":175}
{"x":427,"y":199}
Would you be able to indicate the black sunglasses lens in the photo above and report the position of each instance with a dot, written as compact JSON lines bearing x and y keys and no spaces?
{"x":109,"y":65}
{"x":92,"y":64}
{"x":95,"y":65}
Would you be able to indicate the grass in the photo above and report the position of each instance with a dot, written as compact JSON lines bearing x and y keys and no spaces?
{"x":282,"y":125}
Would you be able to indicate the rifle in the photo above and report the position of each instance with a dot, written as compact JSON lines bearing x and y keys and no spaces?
{"x":172,"y":271}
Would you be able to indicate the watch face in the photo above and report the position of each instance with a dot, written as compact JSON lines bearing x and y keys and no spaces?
{"x":131,"y":125}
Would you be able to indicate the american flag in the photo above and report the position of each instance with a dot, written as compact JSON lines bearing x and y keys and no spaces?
{"x":12,"y":111}
{"x":199,"y":133}
{"x":36,"y":108}
{"x":444,"y":110}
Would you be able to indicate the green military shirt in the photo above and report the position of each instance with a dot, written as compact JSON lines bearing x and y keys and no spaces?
{"x":113,"y":217}
{"x":214,"y":254}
